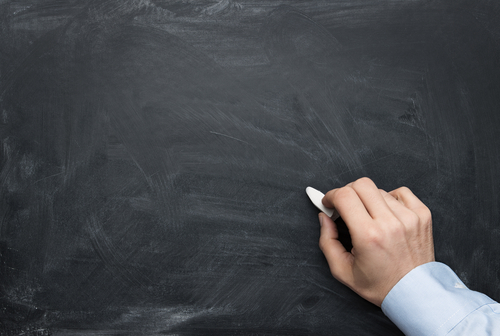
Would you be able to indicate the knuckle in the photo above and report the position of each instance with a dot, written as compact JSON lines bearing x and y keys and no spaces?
{"x":405,"y":191}
{"x":424,"y":214}
{"x":373,"y":237}
{"x":392,"y":227}
{"x":323,"y":243}
{"x":411,"y":218}
{"x":397,"y":234}
{"x":363,"y":182}
{"x":343,"y":193}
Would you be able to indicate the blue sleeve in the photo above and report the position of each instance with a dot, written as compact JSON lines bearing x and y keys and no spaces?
{"x":431,"y":300}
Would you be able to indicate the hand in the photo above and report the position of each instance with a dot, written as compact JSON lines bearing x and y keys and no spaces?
{"x":391,"y":235}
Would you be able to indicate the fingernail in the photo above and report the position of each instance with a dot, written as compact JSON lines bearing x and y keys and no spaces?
{"x":320,"y":219}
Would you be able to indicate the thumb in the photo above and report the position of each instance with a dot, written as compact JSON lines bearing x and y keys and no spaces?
{"x":339,"y":260}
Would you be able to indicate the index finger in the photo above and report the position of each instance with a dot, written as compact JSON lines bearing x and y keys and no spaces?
{"x":371,"y":197}
{"x":349,"y":206}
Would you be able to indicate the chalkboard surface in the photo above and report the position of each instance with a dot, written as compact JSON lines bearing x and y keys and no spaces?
{"x":155,"y":155}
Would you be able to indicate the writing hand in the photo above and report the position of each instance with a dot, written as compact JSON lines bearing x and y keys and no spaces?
{"x":391,"y":234}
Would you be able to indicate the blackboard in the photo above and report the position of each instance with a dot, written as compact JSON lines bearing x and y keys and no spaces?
{"x":155,"y":153}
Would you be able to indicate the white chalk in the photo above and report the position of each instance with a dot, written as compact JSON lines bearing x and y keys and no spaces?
{"x":316,"y":196}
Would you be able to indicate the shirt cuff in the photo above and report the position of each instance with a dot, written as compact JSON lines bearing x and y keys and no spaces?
{"x":431,"y":300}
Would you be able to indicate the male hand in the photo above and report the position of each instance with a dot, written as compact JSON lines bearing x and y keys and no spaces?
{"x":391,"y":234}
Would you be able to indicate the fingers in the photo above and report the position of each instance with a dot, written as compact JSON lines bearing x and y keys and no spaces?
{"x":362,"y":205}
{"x":391,"y":235}
{"x":348,"y":204}
{"x":358,"y":200}
{"x":406,"y":197}
{"x":403,"y":214}
{"x":369,"y":194}
{"x":422,"y":225}
{"x":339,"y":260}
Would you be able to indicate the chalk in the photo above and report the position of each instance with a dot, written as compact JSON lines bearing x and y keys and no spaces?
{"x":316,"y":196}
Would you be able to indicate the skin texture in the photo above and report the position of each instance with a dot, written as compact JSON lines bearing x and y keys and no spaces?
{"x":391,"y":234}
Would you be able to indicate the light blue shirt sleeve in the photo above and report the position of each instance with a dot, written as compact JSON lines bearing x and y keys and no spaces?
{"x":432,"y":301}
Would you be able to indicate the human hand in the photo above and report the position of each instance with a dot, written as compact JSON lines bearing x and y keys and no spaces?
{"x":391,"y":234}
